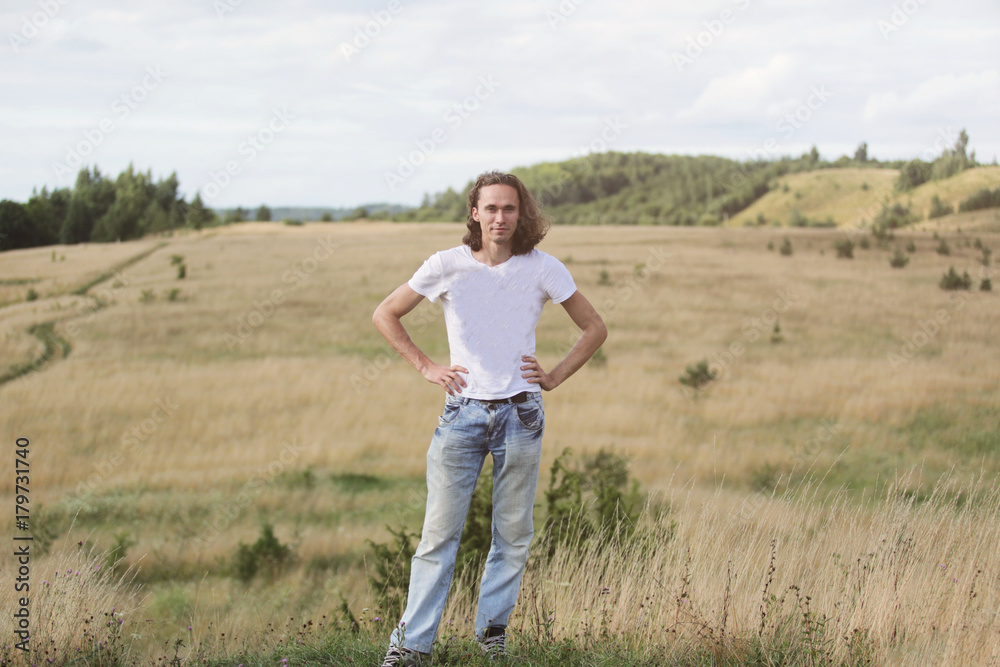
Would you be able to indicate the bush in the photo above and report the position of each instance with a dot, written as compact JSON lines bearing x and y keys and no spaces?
{"x":864,"y":243}
{"x":32,"y":295}
{"x":698,"y":375}
{"x":984,"y":198}
{"x":267,"y":554}
{"x":592,"y":499}
{"x":939,"y":209}
{"x":892,"y":217}
{"x":899,"y":259}
{"x":911,"y":247}
{"x":391,"y":576}
{"x":986,"y":285}
{"x":943,"y":248}
{"x":786,"y":247}
{"x":844,"y":248}
{"x":953,"y":281}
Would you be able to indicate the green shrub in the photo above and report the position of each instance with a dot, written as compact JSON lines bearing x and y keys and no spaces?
{"x":844,"y":248}
{"x":786,"y":247}
{"x":605,"y":278}
{"x":892,"y":217}
{"x":939,"y":209}
{"x":293,"y":222}
{"x":864,"y":243}
{"x":911,"y":247}
{"x":31,"y":295}
{"x":953,"y":281}
{"x":796,"y":219}
{"x":943,"y":248}
{"x":984,"y":198}
{"x":698,"y":375}
{"x":899,"y":259}
{"x":181,"y":271}
{"x":119,"y":552}
{"x":147,"y":296}
{"x":986,"y":285}
{"x":266,"y":555}
{"x":389,"y":577}
{"x":590,"y":499}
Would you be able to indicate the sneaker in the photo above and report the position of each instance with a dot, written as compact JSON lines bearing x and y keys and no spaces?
{"x":403,"y":657}
{"x":494,"y":644}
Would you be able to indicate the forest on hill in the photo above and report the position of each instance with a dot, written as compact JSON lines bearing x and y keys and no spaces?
{"x":601,"y":188}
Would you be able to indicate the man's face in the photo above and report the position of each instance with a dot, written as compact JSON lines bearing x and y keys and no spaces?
{"x":497,"y":213}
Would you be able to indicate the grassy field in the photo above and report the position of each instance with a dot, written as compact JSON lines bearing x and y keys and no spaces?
{"x":183,"y":413}
{"x":852,"y":197}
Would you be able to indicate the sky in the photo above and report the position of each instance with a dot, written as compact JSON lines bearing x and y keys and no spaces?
{"x":309,"y":103}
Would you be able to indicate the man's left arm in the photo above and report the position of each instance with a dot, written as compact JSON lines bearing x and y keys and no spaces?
{"x":593,"y":335}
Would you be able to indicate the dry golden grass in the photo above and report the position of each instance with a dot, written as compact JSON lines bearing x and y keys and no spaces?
{"x":188,"y":422}
{"x":78,"y":607}
{"x":852,"y":197}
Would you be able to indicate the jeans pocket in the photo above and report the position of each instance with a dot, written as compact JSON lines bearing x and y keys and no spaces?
{"x":531,"y":414}
{"x":450,"y":413}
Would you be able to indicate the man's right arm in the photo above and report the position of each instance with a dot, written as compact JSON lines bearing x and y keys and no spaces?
{"x":388,"y":320}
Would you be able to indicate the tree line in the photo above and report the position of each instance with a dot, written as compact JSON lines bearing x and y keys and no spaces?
{"x":646,"y":188}
{"x":600,"y":188}
{"x":102,"y":209}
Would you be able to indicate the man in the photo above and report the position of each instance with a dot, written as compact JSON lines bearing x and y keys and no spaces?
{"x":492,"y":288}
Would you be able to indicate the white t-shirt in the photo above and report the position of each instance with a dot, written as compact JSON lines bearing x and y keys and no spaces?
{"x":491,"y":312}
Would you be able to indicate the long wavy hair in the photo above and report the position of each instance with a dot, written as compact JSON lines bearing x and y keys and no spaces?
{"x":532,"y":225}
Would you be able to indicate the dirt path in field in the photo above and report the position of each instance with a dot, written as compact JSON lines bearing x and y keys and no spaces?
{"x":55,"y":346}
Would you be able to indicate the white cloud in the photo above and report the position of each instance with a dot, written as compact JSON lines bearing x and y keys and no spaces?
{"x":741,"y":95}
{"x":939,"y":97}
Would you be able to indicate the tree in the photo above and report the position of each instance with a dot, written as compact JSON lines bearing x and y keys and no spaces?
{"x":913,"y":174}
{"x":198,"y":214}
{"x":263,"y":214}
{"x":238,"y":215}
{"x":861,"y":155}
{"x":92,"y":196}
{"x":126,"y":218}
{"x":15,"y":229}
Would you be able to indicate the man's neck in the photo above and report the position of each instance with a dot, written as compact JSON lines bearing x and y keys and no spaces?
{"x":492,"y":254}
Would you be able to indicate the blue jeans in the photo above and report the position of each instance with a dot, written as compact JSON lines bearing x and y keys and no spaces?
{"x":467,"y":431}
